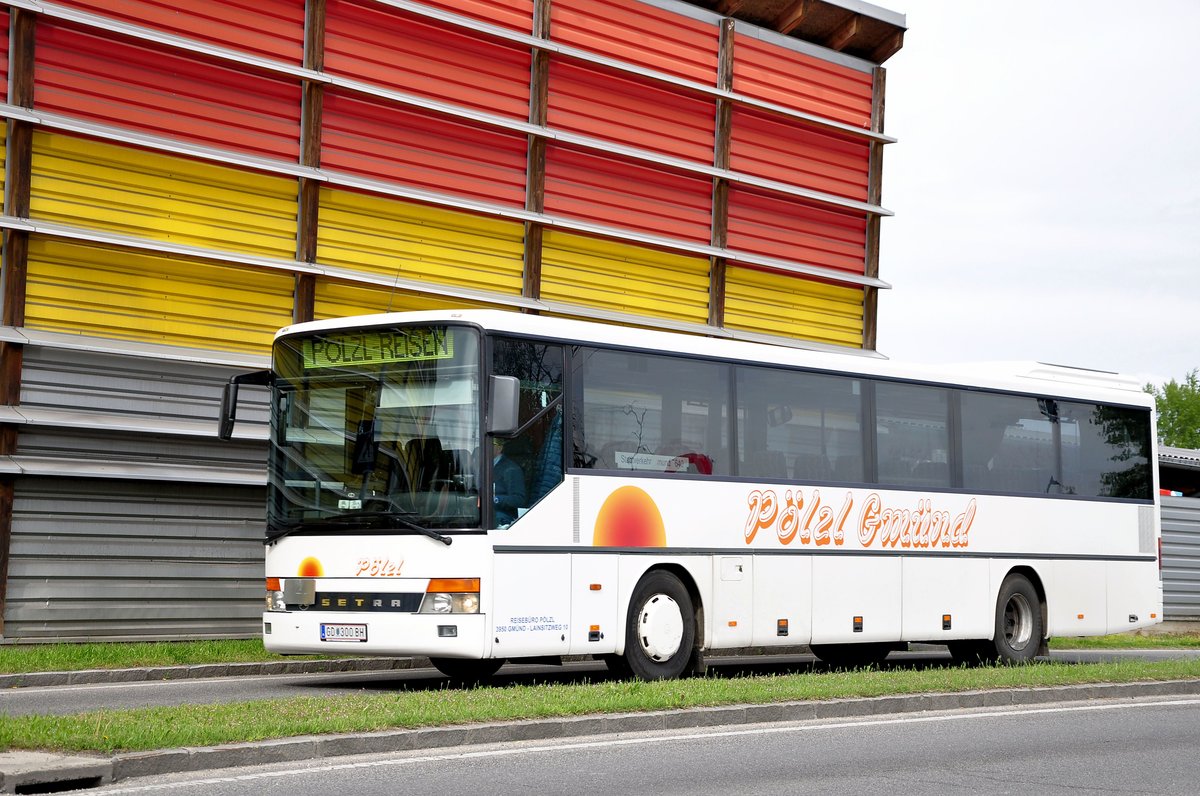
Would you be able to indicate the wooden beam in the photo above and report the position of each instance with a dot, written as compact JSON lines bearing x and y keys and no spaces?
{"x":791,"y":16}
{"x":717,"y":266}
{"x":535,"y":170}
{"x":874,"y":196}
{"x":16,"y":264}
{"x":888,"y":47}
{"x":728,"y":8}
{"x":843,"y":34}
{"x":311,"y":123}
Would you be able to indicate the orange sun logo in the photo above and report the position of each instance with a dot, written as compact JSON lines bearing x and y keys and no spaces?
{"x":629,"y":518}
{"x":311,"y":568}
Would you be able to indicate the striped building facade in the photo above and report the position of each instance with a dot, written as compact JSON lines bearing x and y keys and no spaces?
{"x":182,"y":179}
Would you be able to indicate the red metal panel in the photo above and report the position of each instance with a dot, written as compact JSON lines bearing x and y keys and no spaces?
{"x":630,"y":110}
{"x":271,"y":28}
{"x":777,"y":148}
{"x":4,"y":47}
{"x":639,"y":33}
{"x":776,"y":74}
{"x":366,"y":137}
{"x":514,"y":14}
{"x":777,"y":226}
{"x":142,"y":86}
{"x":386,"y":47}
{"x":621,"y":193}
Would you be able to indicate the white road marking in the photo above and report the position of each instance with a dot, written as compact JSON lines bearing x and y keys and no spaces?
{"x":654,"y":739}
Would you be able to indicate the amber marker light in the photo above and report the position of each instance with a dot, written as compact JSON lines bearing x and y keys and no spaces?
{"x":594,"y":587}
{"x":453,"y":585}
{"x":1080,"y":616}
{"x":273,"y":584}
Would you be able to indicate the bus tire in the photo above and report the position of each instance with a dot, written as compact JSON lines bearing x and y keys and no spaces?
{"x":852,"y":656}
{"x":1019,"y":627}
{"x":660,"y":630}
{"x":463,"y":670}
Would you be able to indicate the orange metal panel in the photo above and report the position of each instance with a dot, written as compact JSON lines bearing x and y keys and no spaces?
{"x":120,"y":82}
{"x":271,"y":28}
{"x":621,"y":193}
{"x":364,"y":136}
{"x":630,"y":110}
{"x":639,"y":33}
{"x":778,"y":226}
{"x":806,"y":83}
{"x":386,"y":47}
{"x":514,"y":14}
{"x":776,"y":148}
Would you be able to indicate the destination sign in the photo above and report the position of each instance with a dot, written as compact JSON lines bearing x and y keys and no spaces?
{"x":378,"y":347}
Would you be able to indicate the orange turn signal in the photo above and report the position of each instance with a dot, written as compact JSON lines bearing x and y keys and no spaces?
{"x":273,"y":584}
{"x":453,"y":585}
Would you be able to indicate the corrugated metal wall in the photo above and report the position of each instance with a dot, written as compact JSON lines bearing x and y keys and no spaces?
{"x":1181,"y":558}
{"x":192,"y":164}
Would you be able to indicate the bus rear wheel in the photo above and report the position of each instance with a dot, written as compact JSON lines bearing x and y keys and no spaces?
{"x":1019,"y":628}
{"x":463,"y":670}
{"x":660,"y":631}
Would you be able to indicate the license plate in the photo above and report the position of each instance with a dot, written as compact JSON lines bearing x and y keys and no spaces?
{"x":343,"y":632}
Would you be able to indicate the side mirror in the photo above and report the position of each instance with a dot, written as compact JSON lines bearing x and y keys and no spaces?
{"x":504,"y":404}
{"x":229,"y":397}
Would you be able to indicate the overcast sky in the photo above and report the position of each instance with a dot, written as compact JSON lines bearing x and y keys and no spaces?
{"x":1046,"y":185}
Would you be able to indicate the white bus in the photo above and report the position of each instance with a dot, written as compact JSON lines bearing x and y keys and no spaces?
{"x":485,"y":486}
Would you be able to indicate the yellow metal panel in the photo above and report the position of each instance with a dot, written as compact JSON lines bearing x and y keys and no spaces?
{"x":83,"y":289}
{"x":339,"y":299}
{"x":4,"y":167}
{"x":621,"y":277}
{"x":386,"y":236}
{"x":150,"y":195}
{"x":793,"y":306}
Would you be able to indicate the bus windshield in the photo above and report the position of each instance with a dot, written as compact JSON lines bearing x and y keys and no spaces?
{"x":375,"y":428}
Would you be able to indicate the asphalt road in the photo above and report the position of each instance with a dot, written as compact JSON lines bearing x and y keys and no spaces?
{"x":64,"y":699}
{"x":1103,"y":747}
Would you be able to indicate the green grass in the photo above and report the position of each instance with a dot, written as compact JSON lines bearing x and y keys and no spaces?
{"x":20,"y":659}
{"x":113,"y":731}
{"x":1129,"y":641}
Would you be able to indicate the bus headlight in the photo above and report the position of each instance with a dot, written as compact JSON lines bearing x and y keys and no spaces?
{"x":275,"y":600}
{"x":451,"y":596}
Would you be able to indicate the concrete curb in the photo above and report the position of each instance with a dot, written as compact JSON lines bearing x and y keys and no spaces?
{"x":93,"y":676}
{"x":16,"y":770}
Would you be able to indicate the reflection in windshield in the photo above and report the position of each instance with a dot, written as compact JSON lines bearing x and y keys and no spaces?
{"x":376,"y":429}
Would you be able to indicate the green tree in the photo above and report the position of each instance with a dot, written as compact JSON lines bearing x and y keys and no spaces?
{"x":1178,"y":411}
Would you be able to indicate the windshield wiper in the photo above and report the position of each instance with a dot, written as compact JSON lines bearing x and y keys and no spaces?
{"x":401,"y":520}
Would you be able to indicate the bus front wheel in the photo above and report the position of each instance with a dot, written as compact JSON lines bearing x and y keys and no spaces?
{"x":462,"y":670}
{"x":661,"y":629}
{"x":1019,"y":626}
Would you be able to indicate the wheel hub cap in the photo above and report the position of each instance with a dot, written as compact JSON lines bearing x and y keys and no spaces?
{"x":660,"y":627}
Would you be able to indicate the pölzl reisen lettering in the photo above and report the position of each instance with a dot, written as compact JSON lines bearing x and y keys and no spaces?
{"x":809,"y":520}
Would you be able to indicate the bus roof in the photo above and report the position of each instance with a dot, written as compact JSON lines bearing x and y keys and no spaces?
{"x":1028,"y":377}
